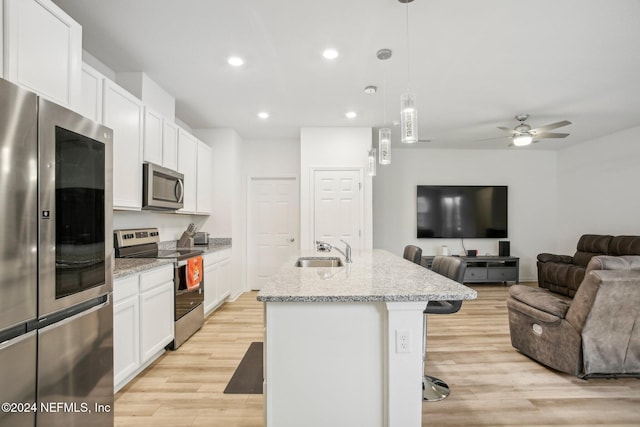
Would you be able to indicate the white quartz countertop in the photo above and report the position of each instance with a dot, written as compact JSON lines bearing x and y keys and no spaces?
{"x":372,"y":276}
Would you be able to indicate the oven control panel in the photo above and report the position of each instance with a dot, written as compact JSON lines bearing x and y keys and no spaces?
{"x":135,"y":236}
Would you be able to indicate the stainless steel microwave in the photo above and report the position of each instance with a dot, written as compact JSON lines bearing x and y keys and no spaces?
{"x":162,"y":188}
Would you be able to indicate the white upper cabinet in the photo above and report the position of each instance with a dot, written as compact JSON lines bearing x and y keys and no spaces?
{"x":204,"y":176}
{"x":43,"y":50}
{"x":152,"y":137}
{"x":123,"y":113}
{"x":91,"y":100}
{"x":187,"y":150}
{"x":169,"y":145}
{"x":160,"y":140}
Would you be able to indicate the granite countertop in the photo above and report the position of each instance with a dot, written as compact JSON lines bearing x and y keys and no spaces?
{"x":128,"y":266}
{"x":372,"y":276}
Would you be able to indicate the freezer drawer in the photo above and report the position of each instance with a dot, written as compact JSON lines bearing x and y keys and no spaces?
{"x":75,"y":370}
{"x":18,"y":373}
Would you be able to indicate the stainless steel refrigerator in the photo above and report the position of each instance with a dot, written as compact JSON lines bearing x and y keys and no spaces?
{"x":56,"y":312}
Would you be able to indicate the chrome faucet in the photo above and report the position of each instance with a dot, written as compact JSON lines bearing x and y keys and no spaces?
{"x":326,"y":247}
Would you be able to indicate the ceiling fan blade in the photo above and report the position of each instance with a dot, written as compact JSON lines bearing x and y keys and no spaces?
{"x":551,"y":135}
{"x":551,"y":126}
{"x":492,"y":139}
{"x":511,"y":131}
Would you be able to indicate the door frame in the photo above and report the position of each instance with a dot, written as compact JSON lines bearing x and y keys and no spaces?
{"x":312,"y":200}
{"x":249,"y":225}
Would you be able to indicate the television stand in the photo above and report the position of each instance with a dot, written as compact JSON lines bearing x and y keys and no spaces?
{"x":486,"y":269}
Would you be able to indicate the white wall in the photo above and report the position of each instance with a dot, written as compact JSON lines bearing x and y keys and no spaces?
{"x":170,"y":225}
{"x":271,"y":158}
{"x":234,"y":161}
{"x":333,"y":147}
{"x":227,"y":216}
{"x":530,"y":175}
{"x":597,"y":188}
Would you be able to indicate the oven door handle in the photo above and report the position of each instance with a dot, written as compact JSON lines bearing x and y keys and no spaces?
{"x":179,"y":195}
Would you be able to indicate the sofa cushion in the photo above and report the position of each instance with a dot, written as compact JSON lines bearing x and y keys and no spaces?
{"x":590,"y":245}
{"x":595,"y":243}
{"x":541,"y":299}
{"x":563,"y":279}
{"x":624,"y":245}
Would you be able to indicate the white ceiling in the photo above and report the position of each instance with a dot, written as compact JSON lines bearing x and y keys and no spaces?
{"x":474,"y":64}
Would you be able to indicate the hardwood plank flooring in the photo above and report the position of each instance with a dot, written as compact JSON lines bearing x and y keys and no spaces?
{"x":492,"y":384}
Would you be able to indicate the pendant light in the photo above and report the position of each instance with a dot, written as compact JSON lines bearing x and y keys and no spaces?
{"x":408,"y":109}
{"x":384,"y":134}
{"x":372,"y":162}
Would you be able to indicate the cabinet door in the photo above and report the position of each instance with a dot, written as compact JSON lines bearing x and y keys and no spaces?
{"x":156,"y":320}
{"x":211,"y":265}
{"x":204,"y":201}
{"x":91,"y":102}
{"x":126,"y":339}
{"x":225,"y":282}
{"x":43,"y":50}
{"x":122,"y":112}
{"x":210,"y":292}
{"x":169,"y":145}
{"x":187,"y":166}
{"x":152,"y":149}
{"x":156,"y":311}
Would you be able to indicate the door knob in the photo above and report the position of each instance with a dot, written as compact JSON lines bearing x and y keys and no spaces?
{"x":292,"y":239}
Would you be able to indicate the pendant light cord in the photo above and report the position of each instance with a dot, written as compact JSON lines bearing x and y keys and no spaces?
{"x":408,"y":51}
{"x":384,"y":97}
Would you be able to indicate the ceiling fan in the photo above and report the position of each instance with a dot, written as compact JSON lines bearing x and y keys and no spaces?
{"x":523,"y":135}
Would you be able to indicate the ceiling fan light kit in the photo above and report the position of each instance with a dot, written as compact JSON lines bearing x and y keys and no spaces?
{"x":522,"y":140}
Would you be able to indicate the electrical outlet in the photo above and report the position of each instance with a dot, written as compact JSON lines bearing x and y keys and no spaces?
{"x":403,"y":341}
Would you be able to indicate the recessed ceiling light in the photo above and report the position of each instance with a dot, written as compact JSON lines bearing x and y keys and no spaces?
{"x":263,"y":115}
{"x":351,"y":115}
{"x":236,"y":61}
{"x":330,"y":54}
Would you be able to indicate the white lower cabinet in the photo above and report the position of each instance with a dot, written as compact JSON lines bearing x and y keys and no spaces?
{"x":156,"y":311}
{"x":217,"y":283}
{"x":142,"y":321}
{"x":126,"y":329}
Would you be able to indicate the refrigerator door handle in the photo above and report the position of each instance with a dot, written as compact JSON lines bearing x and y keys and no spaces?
{"x":68,"y":315}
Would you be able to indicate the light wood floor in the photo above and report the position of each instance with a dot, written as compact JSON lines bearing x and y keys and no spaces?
{"x":491,"y":383}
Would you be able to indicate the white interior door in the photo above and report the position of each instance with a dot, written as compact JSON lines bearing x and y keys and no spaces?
{"x":273,"y":227}
{"x":337,"y":212}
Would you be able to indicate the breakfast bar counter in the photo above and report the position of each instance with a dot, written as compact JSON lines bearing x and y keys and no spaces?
{"x":343,"y":345}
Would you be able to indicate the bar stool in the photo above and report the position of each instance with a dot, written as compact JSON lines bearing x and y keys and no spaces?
{"x":412,"y":253}
{"x":434,"y":389}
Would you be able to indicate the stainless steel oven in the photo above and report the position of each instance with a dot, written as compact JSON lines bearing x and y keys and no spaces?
{"x":188,"y":300}
{"x":162,"y":188}
{"x":189,"y":305}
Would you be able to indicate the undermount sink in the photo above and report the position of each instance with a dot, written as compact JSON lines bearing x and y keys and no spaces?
{"x":319,"y":262}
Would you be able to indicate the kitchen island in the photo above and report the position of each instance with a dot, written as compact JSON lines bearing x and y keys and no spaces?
{"x":343,"y":345}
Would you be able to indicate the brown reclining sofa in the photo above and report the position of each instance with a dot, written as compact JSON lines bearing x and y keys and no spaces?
{"x":590,"y":327}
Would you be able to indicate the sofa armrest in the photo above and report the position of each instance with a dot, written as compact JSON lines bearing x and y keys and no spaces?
{"x":562,"y":259}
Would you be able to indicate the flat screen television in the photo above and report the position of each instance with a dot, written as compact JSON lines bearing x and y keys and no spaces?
{"x":456,"y":211}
